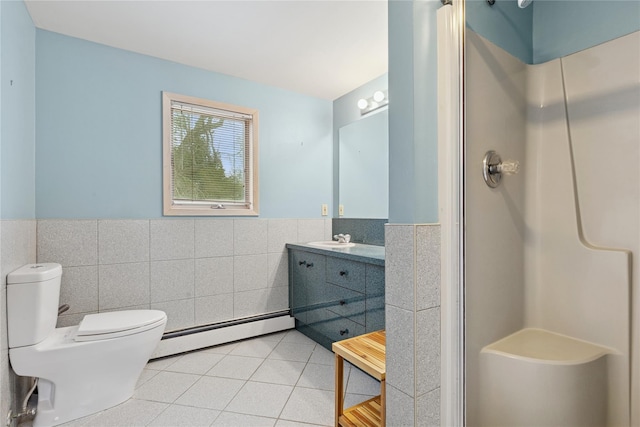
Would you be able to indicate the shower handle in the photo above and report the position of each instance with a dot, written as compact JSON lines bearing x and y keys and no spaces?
{"x":493,"y":168}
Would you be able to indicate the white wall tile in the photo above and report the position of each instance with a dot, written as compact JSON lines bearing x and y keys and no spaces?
{"x":71,"y":319}
{"x":180,"y":313}
{"x":122,"y":241}
{"x":250,"y":272}
{"x":399,"y":264}
{"x":281,"y":232}
{"x":171,"y":239}
{"x":427,"y":350}
{"x":68,"y":242}
{"x":400,"y":409}
{"x":400,"y":349}
{"x":132,"y":307}
{"x":250,"y":236}
{"x":278,"y":269}
{"x":7,"y":401}
{"x":5,"y":389}
{"x":172,"y":280}
{"x":328,"y":229}
{"x":213,"y":276}
{"x":123,"y":285}
{"x":428,"y":409}
{"x":427,"y":266}
{"x":214,"y":308}
{"x":260,"y":301}
{"x":213,"y":237}
{"x":311,"y":230}
{"x":79,"y":289}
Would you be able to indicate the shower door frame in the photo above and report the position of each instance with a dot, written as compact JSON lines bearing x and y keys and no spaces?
{"x":451,"y":160}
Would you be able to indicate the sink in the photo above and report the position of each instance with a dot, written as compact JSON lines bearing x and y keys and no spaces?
{"x":332,"y":244}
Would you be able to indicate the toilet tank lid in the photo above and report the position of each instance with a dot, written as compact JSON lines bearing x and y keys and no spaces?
{"x":31,"y":273}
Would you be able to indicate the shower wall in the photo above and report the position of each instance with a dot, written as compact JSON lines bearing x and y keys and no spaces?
{"x":582,"y":221}
{"x":495,"y":229}
{"x":547,"y":248}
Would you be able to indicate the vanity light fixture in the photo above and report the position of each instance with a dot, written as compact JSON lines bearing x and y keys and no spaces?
{"x":379,"y":99}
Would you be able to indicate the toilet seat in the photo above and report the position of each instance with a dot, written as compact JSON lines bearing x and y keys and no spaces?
{"x":101,"y":326}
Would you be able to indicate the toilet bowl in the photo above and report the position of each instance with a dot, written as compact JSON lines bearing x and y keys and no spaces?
{"x":81,"y":369}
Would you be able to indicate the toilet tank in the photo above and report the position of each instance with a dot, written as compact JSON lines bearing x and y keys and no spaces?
{"x":33,"y":294}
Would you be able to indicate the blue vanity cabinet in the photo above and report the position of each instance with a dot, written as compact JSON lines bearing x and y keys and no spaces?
{"x":335,"y":298}
{"x":306,"y":299}
{"x":374,"y":298}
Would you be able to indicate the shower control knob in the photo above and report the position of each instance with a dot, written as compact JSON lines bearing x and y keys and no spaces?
{"x":493,"y":168}
{"x":509,"y":167}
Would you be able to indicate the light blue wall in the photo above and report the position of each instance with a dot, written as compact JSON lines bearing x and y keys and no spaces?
{"x":413,"y":145}
{"x":547,"y":30}
{"x":1,"y":367}
{"x":346,"y":111}
{"x":565,"y":27}
{"x":17,"y":158}
{"x":99,"y":145}
{"x":504,"y":24}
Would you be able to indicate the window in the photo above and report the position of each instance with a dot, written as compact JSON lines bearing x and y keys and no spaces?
{"x":210,"y":157}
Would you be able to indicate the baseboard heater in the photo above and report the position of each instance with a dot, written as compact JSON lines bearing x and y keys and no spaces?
{"x":198,"y":337}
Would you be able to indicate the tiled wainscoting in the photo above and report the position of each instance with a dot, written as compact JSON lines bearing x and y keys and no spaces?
{"x":17,"y":247}
{"x":198,"y":271}
{"x":412,"y":310}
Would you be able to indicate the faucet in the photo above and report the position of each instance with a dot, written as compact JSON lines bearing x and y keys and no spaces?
{"x":342,"y":238}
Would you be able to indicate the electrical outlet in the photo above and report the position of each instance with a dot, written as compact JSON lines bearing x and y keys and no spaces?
{"x":325,"y":210}
{"x":341,"y":210}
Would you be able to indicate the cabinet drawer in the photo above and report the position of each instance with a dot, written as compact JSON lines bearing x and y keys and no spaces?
{"x":345,"y":273}
{"x":346,"y":303}
{"x":338,"y":328}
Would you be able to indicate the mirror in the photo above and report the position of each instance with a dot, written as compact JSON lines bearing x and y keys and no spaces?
{"x":364,"y":167}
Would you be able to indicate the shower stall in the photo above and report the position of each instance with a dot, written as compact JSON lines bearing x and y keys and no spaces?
{"x":545,"y":218}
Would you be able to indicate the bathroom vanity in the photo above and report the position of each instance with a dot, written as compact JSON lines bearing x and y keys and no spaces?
{"x":336,"y":293}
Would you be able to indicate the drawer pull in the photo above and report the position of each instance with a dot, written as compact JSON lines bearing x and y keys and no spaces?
{"x":344,"y":331}
{"x":343,"y":273}
{"x":309,"y":264}
{"x":342,"y":302}
{"x":302,"y":262}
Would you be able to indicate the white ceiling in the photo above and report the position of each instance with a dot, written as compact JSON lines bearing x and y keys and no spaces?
{"x":322,"y":48}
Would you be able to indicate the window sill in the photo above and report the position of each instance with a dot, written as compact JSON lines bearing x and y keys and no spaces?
{"x":207,"y":211}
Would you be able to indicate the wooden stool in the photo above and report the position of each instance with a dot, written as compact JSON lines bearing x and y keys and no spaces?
{"x":367,"y":352}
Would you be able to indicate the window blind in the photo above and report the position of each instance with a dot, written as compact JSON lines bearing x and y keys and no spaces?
{"x":211,"y":154}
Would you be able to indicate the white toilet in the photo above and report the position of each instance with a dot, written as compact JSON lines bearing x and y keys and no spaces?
{"x":81,"y":369}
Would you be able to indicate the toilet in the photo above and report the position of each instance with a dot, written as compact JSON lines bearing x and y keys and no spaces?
{"x":81,"y":369}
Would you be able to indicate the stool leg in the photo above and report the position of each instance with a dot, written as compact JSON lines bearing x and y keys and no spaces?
{"x":383,"y":403}
{"x":339,"y":388}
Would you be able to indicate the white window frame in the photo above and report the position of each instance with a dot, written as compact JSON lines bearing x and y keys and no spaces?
{"x":207,"y":209}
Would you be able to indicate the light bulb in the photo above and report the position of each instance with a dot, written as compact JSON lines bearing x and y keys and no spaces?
{"x":362,"y":104}
{"x":374,"y":105}
{"x":378,"y":96}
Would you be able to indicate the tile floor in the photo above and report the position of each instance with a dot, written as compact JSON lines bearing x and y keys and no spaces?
{"x":277,"y":380}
